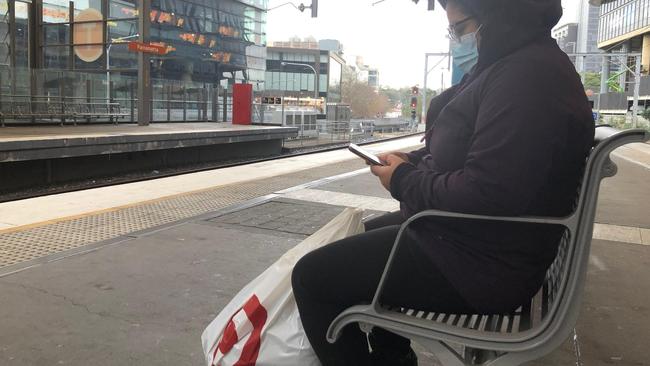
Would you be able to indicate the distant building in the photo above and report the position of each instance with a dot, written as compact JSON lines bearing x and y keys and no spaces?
{"x":587,"y":40}
{"x":296,"y":78}
{"x":373,"y":78}
{"x":74,"y":48}
{"x":331,"y":45}
{"x":625,"y":27}
{"x":567,"y":38}
{"x":309,"y":43}
{"x":364,"y":72}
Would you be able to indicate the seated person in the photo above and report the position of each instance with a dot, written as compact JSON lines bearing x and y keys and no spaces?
{"x":510,"y":140}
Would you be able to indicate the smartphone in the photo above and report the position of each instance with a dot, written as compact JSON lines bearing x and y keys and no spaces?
{"x":365,"y":155}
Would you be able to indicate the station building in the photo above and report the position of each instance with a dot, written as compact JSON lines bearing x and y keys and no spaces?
{"x":84,"y":50}
{"x":624,"y":27}
{"x":308,"y":77}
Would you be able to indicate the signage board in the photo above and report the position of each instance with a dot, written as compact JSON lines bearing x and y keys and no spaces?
{"x":88,"y":35}
{"x":135,"y":46}
{"x":271,"y":100}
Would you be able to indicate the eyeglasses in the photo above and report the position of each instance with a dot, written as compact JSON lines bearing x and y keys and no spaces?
{"x":453,"y":28}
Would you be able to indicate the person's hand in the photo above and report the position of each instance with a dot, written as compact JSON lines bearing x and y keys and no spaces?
{"x":384,"y":157}
{"x":385,"y":173}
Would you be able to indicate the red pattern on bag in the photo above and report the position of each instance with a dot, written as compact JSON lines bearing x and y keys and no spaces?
{"x":257,"y":315}
{"x":229,"y":339}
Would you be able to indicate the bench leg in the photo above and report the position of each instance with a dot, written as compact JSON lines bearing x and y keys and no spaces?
{"x":475,"y":356}
{"x":576,"y":348}
{"x":443,"y":353}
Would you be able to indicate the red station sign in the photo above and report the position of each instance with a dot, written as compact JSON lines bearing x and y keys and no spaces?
{"x":147,"y":48}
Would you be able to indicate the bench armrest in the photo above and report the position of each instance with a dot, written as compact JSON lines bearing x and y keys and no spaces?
{"x":523,"y":219}
{"x":567,"y":222}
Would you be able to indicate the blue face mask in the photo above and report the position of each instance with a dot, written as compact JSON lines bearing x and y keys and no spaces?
{"x":465,"y":52}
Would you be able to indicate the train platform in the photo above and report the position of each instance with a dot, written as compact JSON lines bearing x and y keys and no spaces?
{"x":53,"y":156}
{"x":49,"y":142}
{"x":132,"y":274}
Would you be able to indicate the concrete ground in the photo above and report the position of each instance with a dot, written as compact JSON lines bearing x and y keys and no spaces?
{"x":146,"y":300}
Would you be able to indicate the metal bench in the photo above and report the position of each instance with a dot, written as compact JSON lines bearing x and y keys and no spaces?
{"x":93,"y":110}
{"x":37,"y":108}
{"x":62,"y":109}
{"x":536,"y":328}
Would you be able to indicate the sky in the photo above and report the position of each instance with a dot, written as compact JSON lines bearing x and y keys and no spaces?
{"x":392,"y":36}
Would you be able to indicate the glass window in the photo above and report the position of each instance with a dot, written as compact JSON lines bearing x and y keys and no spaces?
{"x":322,"y":83}
{"x":22,"y":34}
{"x":80,"y":6}
{"x":4,"y":33}
{"x":275,"y":76}
{"x":122,"y":30}
{"x":56,"y":57}
{"x":304,"y":82}
{"x":123,"y":9}
{"x":56,"y":34}
{"x":289,"y":81}
{"x":121,"y":58}
{"x":56,"y":11}
{"x":295,"y":82}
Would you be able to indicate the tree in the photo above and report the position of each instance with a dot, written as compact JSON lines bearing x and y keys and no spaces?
{"x":364,"y":100}
{"x":403,"y":97}
{"x":646,"y":114}
{"x":592,"y":81}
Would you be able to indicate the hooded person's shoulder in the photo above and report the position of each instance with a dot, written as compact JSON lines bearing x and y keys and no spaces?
{"x":540,"y":61}
{"x":534,"y":72}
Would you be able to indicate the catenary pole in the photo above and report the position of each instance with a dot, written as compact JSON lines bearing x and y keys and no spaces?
{"x":637,"y":85}
{"x":424,"y":90}
{"x":426,"y":76}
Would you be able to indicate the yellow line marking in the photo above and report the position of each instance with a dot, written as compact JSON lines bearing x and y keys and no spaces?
{"x":118,"y":208}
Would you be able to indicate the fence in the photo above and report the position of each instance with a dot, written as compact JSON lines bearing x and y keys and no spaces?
{"x":343,"y":132}
{"x":26,"y":93}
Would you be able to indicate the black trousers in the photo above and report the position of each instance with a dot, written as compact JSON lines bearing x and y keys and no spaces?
{"x":347,"y":273}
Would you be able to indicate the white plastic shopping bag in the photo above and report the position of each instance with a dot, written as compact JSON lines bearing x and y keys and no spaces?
{"x":261,"y":325}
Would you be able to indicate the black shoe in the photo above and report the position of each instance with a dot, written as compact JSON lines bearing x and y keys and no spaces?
{"x":379,"y":358}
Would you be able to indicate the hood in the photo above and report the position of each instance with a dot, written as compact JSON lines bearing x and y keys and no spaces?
{"x":509,"y":25}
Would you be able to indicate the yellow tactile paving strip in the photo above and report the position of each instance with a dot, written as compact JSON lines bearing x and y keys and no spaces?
{"x":36,"y":242}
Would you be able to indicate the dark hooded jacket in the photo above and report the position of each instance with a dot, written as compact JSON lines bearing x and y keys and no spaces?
{"x":511,"y":139}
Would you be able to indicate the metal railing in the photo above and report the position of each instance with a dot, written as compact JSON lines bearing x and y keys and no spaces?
{"x":343,"y":132}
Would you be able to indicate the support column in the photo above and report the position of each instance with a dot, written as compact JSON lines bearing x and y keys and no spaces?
{"x":215,"y":96}
{"x":637,"y":84}
{"x":604,"y":75}
{"x":645,"y":58}
{"x":72,"y":26}
{"x":144,"y":67}
{"x":622,"y":80}
{"x":12,"y":44}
